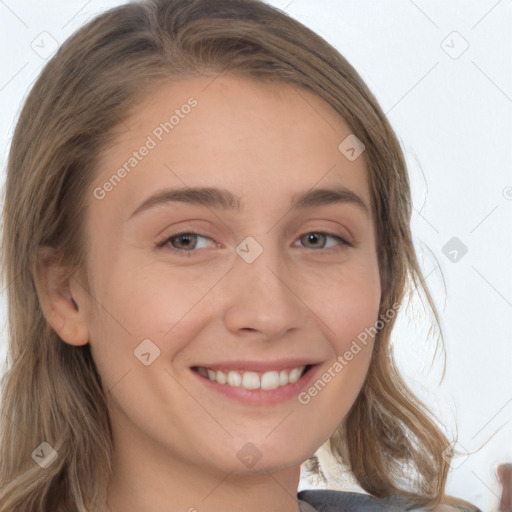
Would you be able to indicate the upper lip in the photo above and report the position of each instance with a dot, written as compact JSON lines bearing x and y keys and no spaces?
{"x":258,"y":366}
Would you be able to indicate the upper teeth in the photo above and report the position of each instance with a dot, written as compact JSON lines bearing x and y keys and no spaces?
{"x":253,"y":380}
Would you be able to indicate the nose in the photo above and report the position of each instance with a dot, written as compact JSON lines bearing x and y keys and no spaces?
{"x":262,"y":297}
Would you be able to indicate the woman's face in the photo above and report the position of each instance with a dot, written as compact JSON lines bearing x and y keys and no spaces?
{"x":273,"y":274}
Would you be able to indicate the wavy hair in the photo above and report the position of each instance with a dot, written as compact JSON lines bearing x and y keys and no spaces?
{"x":51,"y":391}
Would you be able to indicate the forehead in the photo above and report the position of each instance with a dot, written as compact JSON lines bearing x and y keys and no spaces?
{"x":258,"y":139}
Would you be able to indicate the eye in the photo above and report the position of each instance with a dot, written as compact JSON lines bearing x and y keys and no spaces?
{"x":186,"y":242}
{"x":314,"y":237}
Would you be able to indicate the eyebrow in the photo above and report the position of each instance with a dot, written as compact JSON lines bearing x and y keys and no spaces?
{"x":219,"y":198}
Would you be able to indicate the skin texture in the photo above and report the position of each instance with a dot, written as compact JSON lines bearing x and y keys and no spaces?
{"x":176,"y":442}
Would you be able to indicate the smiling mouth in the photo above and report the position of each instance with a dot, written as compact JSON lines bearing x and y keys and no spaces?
{"x":250,"y":380}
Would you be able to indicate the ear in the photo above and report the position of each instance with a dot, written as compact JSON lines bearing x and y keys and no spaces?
{"x":61,"y":308}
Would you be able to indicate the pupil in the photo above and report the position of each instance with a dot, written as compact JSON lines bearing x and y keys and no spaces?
{"x":186,"y":238}
{"x":313,"y":237}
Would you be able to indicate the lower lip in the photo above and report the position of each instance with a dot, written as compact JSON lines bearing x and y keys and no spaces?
{"x":261,"y":396}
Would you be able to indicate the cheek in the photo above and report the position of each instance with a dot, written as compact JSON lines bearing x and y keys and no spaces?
{"x":348,"y":309}
{"x":165,"y":308}
{"x":348,"y":302}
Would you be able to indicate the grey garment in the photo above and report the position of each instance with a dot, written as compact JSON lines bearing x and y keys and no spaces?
{"x":320,"y":500}
{"x":304,"y":506}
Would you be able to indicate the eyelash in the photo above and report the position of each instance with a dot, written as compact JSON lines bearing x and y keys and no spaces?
{"x":185,"y":252}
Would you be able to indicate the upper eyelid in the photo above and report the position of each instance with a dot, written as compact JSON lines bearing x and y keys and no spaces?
{"x":346,"y":232}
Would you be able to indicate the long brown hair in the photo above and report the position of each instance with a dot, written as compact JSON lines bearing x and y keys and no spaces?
{"x":52,"y":392}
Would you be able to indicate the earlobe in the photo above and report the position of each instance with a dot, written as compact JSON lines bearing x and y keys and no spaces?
{"x":59,"y":306}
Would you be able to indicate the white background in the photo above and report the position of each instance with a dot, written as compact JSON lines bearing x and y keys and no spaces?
{"x":452,"y":112}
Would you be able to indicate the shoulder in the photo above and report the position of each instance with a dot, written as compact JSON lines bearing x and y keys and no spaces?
{"x":321,"y":500}
{"x":339,"y":501}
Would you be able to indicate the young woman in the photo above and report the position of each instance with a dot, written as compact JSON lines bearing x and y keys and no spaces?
{"x":206,"y":243}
